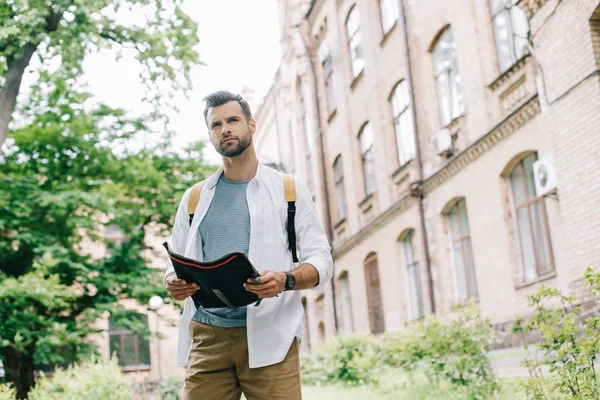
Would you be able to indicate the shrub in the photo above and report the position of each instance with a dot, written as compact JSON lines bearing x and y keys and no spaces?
{"x":454,"y":349}
{"x":568,"y":345}
{"x":7,"y":393}
{"x":170,"y":388}
{"x":350,"y":359}
{"x":96,"y":380}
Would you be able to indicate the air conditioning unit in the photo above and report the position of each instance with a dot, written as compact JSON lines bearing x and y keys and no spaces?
{"x":443,"y":143}
{"x":544,"y":175}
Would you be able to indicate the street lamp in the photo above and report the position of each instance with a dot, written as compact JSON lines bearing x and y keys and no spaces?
{"x":155,"y":303}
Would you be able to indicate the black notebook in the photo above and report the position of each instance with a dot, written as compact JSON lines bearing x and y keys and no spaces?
{"x":221,"y":281}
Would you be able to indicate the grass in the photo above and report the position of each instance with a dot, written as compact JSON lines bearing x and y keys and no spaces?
{"x":396,"y":385}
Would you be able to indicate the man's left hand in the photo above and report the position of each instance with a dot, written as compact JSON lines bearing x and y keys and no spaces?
{"x":268,"y":285}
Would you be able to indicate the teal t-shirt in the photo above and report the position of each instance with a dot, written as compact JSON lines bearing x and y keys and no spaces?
{"x":225,"y":229}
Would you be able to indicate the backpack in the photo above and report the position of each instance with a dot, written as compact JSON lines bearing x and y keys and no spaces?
{"x":289,"y":192}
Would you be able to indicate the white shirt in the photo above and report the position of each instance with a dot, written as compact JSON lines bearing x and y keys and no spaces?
{"x":272,"y":326}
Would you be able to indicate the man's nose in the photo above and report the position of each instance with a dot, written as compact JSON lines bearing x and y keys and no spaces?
{"x":225,"y":130}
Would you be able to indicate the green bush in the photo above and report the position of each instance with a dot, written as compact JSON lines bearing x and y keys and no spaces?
{"x":7,"y":393}
{"x":564,"y":364}
{"x":453,"y":349}
{"x":350,"y":359}
{"x":94,"y":380}
{"x":170,"y":388}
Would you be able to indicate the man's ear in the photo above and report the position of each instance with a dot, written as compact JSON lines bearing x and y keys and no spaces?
{"x":252,"y":124}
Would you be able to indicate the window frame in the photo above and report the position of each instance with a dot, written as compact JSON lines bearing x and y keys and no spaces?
{"x":383,"y":18}
{"x":338,"y":176}
{"x":406,"y":151}
{"x":545,"y":229}
{"x":508,"y":14}
{"x":411,"y":264}
{"x":466,"y":247}
{"x":367,"y":155}
{"x":447,"y":67}
{"x":123,"y":334}
{"x":355,"y":42}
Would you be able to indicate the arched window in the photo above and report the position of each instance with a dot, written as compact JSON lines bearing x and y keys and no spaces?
{"x":305,"y":327}
{"x":355,"y":41}
{"x":365,"y":138}
{"x":376,"y":317}
{"x":403,"y":123}
{"x":532,"y":221}
{"x":389,"y":14}
{"x":338,"y":174}
{"x":511,"y":29}
{"x":462,"y":250}
{"x":413,"y":273}
{"x":448,"y":81}
{"x":345,"y":298}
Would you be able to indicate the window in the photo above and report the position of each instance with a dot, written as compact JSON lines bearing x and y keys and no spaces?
{"x":376,"y":318}
{"x":338,"y":173}
{"x":354,"y":41}
{"x":511,"y":29}
{"x":532,"y":222}
{"x":344,"y":285}
{"x":365,"y":138}
{"x":463,"y":253}
{"x":306,"y":122}
{"x":389,"y":14}
{"x":328,"y":72}
{"x":448,"y":80}
{"x":413,"y":272}
{"x":305,"y":326}
{"x":403,"y":123}
{"x":132,"y":349}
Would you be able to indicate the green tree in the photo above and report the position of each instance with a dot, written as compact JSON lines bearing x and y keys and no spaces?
{"x":66,"y":176}
{"x":67,"y":30}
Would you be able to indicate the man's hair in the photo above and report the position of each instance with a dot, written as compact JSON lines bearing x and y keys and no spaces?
{"x":221,"y":97}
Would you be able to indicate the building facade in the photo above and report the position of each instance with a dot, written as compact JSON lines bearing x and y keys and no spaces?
{"x":422,"y":129}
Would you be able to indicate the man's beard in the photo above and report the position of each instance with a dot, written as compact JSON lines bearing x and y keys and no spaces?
{"x":228,"y":150}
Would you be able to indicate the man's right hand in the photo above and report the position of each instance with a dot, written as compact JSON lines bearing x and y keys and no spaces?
{"x":180,"y":289}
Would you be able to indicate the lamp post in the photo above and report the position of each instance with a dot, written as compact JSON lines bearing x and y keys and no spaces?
{"x":155,"y":303}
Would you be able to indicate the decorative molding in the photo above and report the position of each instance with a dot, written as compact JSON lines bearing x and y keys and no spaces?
{"x":401,"y":205}
{"x":531,"y":6}
{"x":509,"y":73}
{"x":510,"y":124}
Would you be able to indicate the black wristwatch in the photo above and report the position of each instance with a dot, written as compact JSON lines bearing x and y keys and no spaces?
{"x":290,"y":281}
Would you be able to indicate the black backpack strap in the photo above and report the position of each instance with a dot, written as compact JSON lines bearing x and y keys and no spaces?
{"x":289,"y":191}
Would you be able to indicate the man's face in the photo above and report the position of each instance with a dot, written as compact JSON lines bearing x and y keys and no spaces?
{"x":229,"y":131}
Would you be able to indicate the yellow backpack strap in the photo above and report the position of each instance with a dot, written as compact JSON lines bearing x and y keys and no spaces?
{"x":194,"y":198}
{"x":289,"y":193}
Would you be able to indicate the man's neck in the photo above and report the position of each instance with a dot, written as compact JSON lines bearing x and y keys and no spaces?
{"x":241,"y":168}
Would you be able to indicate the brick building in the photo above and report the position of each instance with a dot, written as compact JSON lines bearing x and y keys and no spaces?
{"x":418,"y":126}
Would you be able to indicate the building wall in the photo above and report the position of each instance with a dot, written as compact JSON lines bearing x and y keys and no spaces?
{"x":507,"y":116}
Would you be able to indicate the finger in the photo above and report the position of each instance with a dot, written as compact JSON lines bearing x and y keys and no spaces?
{"x":181,"y":296}
{"x":178,"y":282}
{"x":183,"y":287}
{"x":185,"y":291}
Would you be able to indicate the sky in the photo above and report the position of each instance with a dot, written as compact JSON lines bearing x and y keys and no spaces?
{"x":239,"y":42}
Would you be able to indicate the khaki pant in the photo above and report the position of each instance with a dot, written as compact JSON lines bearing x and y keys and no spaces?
{"x":218,"y":368}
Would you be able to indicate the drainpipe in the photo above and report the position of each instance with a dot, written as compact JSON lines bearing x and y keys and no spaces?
{"x":325,"y":189}
{"x":415,"y":190}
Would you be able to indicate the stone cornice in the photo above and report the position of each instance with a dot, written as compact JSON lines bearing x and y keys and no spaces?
{"x":399,"y":206}
{"x":510,"y":124}
{"x":531,"y":6}
{"x":509,"y":73}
